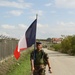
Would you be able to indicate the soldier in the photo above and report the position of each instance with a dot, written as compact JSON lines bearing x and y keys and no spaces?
{"x":39,"y":60}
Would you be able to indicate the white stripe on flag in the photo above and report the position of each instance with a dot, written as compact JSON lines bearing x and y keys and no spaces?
{"x":22,"y":43}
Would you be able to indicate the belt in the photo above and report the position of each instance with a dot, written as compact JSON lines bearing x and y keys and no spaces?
{"x":42,"y":66}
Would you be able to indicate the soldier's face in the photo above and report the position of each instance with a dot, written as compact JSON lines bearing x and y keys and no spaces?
{"x":39,"y":46}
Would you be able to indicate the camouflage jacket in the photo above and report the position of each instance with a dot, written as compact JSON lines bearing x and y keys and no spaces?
{"x":39,"y":57}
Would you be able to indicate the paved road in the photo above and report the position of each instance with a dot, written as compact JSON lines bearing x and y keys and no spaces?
{"x":62,"y":64}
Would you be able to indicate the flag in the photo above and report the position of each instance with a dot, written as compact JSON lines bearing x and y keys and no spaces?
{"x":27,"y":40}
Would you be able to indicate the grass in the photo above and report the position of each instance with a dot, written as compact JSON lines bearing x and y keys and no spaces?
{"x":22,"y":66}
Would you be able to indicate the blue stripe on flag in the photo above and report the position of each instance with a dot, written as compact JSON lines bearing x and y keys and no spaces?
{"x":31,"y":33}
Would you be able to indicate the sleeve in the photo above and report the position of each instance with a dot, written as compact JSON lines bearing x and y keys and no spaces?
{"x":32,"y":55}
{"x":46,"y":56}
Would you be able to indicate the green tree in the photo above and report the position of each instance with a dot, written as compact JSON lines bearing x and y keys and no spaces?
{"x":57,"y":47}
{"x":49,"y":39}
{"x":73,"y":45}
{"x":66,"y":44}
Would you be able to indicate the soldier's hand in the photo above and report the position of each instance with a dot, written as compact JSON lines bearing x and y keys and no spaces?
{"x":32,"y":69}
{"x":50,"y":70}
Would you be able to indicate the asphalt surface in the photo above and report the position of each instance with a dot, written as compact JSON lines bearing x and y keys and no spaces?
{"x":62,"y":64}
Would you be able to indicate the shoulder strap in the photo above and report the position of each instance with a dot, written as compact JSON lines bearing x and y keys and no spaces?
{"x":43,"y":53}
{"x":44,"y":58}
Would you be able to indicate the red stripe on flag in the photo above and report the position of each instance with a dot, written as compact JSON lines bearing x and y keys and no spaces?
{"x":16,"y":53}
{"x":23,"y":49}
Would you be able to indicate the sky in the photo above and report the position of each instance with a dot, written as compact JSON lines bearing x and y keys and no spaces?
{"x":55,"y":17}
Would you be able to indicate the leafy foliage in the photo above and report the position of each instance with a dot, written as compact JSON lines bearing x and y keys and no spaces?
{"x":67,"y":45}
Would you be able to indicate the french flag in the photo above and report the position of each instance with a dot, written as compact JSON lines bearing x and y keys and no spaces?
{"x":27,"y":40}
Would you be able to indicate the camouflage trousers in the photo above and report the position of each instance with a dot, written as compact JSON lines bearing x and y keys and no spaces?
{"x":39,"y":70}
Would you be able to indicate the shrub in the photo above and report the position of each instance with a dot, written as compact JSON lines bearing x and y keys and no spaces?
{"x":57,"y":47}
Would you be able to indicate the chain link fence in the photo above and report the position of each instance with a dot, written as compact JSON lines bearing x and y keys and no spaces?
{"x":7,"y":47}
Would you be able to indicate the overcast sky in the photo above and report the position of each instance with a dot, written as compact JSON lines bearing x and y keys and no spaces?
{"x":55,"y":17}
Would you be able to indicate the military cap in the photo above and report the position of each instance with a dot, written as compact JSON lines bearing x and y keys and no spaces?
{"x":38,"y":43}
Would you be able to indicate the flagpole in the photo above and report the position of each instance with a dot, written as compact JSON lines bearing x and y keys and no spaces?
{"x":35,"y":39}
{"x":36,"y":31}
{"x":36,"y":16}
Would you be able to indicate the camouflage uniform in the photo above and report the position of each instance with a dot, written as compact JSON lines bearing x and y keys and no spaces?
{"x":40,"y":61}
